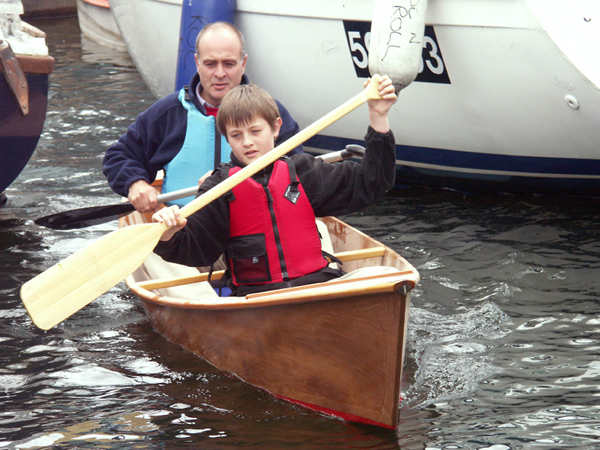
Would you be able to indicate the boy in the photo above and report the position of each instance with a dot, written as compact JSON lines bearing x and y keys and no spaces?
{"x":266,"y":225}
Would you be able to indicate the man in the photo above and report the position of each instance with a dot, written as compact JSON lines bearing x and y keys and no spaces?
{"x":178,"y":132}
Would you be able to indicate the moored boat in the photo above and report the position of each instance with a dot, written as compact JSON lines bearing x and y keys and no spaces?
{"x":98,"y":24}
{"x":24,"y":69}
{"x":507,"y":99}
{"x":335,"y":347}
{"x":48,"y":8}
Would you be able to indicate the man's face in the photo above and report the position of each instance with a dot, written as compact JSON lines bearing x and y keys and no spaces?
{"x":219,"y":63}
{"x":253,"y":139}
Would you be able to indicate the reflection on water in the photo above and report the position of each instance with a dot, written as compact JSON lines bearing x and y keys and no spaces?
{"x":503,"y":332}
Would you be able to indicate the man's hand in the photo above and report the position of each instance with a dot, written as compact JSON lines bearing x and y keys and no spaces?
{"x":143,"y":196}
{"x":204,"y":177}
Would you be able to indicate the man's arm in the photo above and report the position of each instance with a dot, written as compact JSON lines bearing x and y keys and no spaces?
{"x":131,"y":164}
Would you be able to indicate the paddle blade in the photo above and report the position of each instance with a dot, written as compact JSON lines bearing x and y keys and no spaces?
{"x":69,"y":285}
{"x":84,"y":217}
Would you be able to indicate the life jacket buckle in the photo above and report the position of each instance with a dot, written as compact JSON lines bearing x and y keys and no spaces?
{"x":292,"y":193}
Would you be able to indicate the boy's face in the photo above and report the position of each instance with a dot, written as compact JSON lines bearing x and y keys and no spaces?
{"x":253,"y":139}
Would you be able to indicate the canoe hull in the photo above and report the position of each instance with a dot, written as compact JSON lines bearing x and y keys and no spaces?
{"x":305,"y":352}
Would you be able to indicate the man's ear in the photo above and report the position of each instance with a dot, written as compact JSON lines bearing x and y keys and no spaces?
{"x":243,"y":62}
{"x":277,"y":127}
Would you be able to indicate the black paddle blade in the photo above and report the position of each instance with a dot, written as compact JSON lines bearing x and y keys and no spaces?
{"x":84,"y":217}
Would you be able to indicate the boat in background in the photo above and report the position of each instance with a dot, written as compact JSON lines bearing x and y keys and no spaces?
{"x":98,"y":24}
{"x":47,"y":8}
{"x":508,"y":97}
{"x":336,"y":347}
{"x":150,"y":29}
{"x":24,"y":69}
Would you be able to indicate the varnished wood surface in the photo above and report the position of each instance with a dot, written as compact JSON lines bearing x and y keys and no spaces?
{"x":341,"y":355}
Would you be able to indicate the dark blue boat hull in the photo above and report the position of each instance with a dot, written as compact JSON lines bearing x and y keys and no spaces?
{"x":484,"y":172}
{"x":19,"y":134}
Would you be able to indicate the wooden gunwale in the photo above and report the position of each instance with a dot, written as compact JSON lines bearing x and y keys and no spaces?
{"x":385,"y":283}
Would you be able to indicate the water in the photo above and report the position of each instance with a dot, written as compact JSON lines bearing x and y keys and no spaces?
{"x":503,"y":335}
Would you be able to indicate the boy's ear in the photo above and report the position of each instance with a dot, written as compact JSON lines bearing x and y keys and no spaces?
{"x":277,"y":127}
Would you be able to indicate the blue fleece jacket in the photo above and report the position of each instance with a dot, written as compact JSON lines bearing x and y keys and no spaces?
{"x":156,"y":137}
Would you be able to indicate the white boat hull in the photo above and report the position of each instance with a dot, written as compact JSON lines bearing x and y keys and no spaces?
{"x":98,"y":24}
{"x":150,"y":28}
{"x":497,"y":100}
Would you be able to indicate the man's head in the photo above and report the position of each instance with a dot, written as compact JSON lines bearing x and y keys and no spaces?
{"x":220,"y":60}
{"x":249,"y":119}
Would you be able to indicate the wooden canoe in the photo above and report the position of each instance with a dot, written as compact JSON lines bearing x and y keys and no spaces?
{"x":336,"y":347}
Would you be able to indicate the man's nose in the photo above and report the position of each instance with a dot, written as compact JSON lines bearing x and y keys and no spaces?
{"x":220,"y":70}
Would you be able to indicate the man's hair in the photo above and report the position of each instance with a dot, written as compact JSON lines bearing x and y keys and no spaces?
{"x":242,"y":104}
{"x":225,"y":25}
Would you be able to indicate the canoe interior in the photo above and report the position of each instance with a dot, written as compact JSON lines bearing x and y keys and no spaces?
{"x":337,"y":347}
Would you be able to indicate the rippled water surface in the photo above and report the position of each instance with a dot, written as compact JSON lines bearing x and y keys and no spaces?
{"x":504,"y":331}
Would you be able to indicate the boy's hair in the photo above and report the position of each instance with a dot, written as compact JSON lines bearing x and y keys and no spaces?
{"x":242,"y":104}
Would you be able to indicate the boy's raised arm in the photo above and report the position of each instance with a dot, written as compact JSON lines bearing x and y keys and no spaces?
{"x":378,"y":109}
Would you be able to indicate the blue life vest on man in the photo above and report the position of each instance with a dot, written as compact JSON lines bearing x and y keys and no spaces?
{"x":273,"y":234}
{"x":197,"y":155}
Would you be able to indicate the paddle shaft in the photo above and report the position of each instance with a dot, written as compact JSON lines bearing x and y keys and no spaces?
{"x":93,"y":215}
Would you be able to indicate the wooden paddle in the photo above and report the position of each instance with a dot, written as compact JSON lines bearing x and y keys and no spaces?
{"x":69,"y":285}
{"x":93,"y":215}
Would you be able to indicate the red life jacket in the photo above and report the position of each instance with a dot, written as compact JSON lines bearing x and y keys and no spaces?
{"x":272,"y":238}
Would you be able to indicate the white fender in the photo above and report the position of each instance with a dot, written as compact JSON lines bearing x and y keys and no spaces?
{"x":396,"y":43}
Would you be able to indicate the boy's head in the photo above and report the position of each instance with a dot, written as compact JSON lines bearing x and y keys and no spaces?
{"x":249,"y":119}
